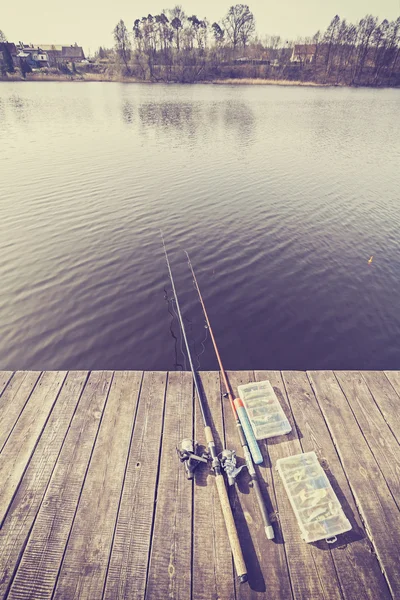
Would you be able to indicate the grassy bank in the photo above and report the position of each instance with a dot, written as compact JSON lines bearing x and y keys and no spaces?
{"x":248,"y":81}
{"x":121,"y":79}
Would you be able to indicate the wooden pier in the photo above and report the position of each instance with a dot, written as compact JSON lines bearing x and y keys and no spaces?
{"x":94,"y":503}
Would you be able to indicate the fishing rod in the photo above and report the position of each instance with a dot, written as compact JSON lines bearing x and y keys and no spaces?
{"x":219,"y":478}
{"x":250,"y":446}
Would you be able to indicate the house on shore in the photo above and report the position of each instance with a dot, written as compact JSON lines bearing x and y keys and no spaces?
{"x":33,"y":55}
{"x":58,"y":53}
{"x":303,"y":53}
{"x":8,"y":55}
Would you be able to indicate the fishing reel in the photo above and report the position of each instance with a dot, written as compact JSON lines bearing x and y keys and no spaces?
{"x":228,"y":463}
{"x":187,"y":454}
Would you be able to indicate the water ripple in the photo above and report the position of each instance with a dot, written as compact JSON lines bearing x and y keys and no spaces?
{"x":280,"y":194}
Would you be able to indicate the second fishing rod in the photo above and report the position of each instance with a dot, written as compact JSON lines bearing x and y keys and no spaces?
{"x":246,"y":435}
{"x":219,"y":478}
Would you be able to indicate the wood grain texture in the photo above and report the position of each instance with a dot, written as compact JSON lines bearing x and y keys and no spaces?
{"x":374,"y":500}
{"x":20,"y":445}
{"x":13,"y":399}
{"x":171,"y":552}
{"x":128,"y":565}
{"x":312,"y":571}
{"x":378,"y":435}
{"x":84,"y":567}
{"x":5,"y":378}
{"x":394,"y":378}
{"x":26,"y":502}
{"x":266,"y":559}
{"x":356,"y":564}
{"x":213,"y":573}
{"x":40,"y":564}
{"x":97,"y":504}
{"x":386,"y":397}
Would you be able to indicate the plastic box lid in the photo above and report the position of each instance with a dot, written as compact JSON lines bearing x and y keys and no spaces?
{"x":318,"y":511}
{"x":263,"y":409}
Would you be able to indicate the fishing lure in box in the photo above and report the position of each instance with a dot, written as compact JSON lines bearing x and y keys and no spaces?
{"x":263,"y":409}
{"x":318,"y":511}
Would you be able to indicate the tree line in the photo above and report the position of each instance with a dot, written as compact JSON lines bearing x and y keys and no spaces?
{"x":184,"y":46}
{"x":174,"y":46}
{"x":364,"y":53}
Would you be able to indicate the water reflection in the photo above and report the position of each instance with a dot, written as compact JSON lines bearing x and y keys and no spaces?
{"x":128,"y":112}
{"x":193,"y":122}
{"x":239,"y":117}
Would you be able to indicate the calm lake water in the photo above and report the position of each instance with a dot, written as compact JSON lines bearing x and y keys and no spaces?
{"x":280,"y":194}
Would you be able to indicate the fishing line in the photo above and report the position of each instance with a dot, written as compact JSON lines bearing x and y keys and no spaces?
{"x":209,"y":436}
{"x":173,"y":316}
{"x":248,"y":441}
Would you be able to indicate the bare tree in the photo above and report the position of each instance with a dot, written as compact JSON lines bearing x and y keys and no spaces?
{"x":218,"y":34}
{"x":177,"y":18}
{"x":330,"y":40}
{"x":123,"y":43}
{"x":239,"y":25}
{"x":2,"y":37}
{"x":367,"y":28}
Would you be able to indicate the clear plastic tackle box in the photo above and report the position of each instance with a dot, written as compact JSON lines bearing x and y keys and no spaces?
{"x":315,"y":504}
{"x":263,"y":409}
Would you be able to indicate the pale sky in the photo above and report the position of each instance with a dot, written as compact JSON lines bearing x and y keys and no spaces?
{"x":90,"y":22}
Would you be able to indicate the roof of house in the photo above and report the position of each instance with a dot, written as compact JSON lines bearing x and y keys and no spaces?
{"x":11,"y":47}
{"x":305,"y":48}
{"x":73,"y":52}
{"x":49,"y":47}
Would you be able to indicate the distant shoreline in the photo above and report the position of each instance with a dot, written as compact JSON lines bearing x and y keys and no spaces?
{"x":229,"y":81}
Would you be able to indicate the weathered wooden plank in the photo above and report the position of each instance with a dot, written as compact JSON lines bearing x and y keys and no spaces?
{"x":5,"y":377}
{"x":128,"y":564}
{"x":394,"y":378}
{"x":213,"y":574}
{"x":356,"y":564}
{"x":28,"y":498}
{"x":20,"y":444}
{"x":84,"y":567}
{"x":312,"y":571}
{"x":380,"y":438}
{"x":266,"y":560}
{"x":13,"y":399}
{"x":385,"y":388}
{"x":373,"y":498}
{"x":40,"y":563}
{"x":171,"y":552}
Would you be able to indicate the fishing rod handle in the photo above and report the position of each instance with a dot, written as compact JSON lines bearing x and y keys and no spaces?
{"x":230,"y":525}
{"x":234,"y":542}
{"x":248,"y":432}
